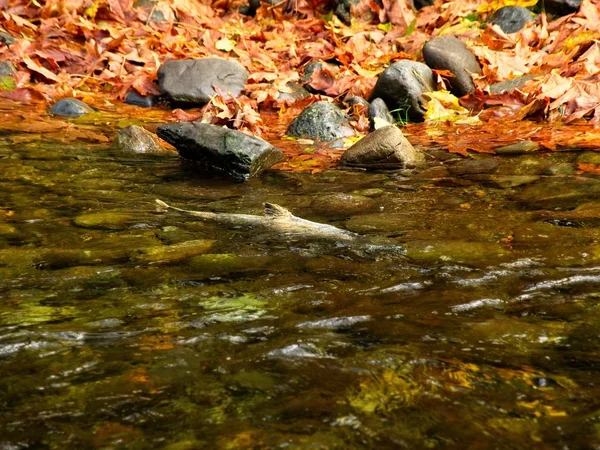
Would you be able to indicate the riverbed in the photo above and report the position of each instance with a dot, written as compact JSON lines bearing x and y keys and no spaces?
{"x":122,"y":326}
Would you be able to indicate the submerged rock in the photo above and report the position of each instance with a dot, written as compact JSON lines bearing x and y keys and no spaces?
{"x":511,"y":18}
{"x":342,"y":205}
{"x":194,"y":80}
{"x":70,"y":107}
{"x":401,"y":87}
{"x":321,"y":121}
{"x":105,"y":220}
{"x":164,"y":254}
{"x":385,"y":148}
{"x":450,"y":53}
{"x":457,"y":251}
{"x":136,"y":140}
{"x":221,"y":150}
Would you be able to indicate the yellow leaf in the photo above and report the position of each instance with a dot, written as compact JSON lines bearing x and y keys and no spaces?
{"x":442,"y":105}
{"x":225,"y":45}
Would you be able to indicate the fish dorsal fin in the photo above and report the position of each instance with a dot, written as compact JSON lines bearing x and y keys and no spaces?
{"x":273,"y":211}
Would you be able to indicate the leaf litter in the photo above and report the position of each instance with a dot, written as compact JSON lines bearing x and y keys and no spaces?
{"x":101,"y":49}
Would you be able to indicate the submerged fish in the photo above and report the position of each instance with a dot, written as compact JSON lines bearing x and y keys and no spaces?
{"x":276,"y":219}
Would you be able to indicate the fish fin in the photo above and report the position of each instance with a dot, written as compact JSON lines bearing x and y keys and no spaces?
{"x":272,"y":211}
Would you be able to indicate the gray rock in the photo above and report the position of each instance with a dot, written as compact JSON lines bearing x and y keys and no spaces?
{"x":136,"y":140}
{"x":192,"y":80}
{"x":511,"y":85}
{"x":401,"y":87}
{"x":6,"y":38}
{"x":70,"y":107}
{"x":321,"y":121}
{"x":221,"y":150}
{"x":342,"y":10}
{"x":450,"y":53}
{"x":378,"y":109}
{"x":356,"y":100}
{"x":385,"y":148}
{"x":7,"y":69}
{"x":511,"y":18}
{"x":145,"y":101}
{"x":559,"y":193}
{"x":309,"y":72}
{"x":293,"y":92}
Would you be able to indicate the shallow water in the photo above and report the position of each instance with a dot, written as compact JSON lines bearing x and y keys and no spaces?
{"x":121,"y":327}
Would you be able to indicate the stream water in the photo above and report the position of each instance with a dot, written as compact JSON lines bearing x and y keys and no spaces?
{"x":122,"y":327}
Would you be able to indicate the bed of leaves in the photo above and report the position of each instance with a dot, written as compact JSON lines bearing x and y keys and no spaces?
{"x":100,"y":49}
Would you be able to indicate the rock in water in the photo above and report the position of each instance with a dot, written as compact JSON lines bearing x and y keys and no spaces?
{"x":221,"y":150}
{"x":511,"y":18}
{"x":136,"y":140}
{"x":70,"y":107}
{"x":321,"y":121}
{"x":379,"y":114}
{"x":401,"y":85}
{"x":450,"y":53}
{"x":385,"y":148}
{"x":145,"y":101}
{"x":193,"y":80}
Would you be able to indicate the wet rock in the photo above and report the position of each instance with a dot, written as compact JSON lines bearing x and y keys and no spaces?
{"x":136,"y":140}
{"x":561,"y":7}
{"x":518,"y":148}
{"x":401,"y":87}
{"x":511,"y":18}
{"x":7,"y":69}
{"x":379,"y":114}
{"x":588,"y":158}
{"x":450,"y":53}
{"x":221,"y":150}
{"x":563,"y":193}
{"x":165,"y":254}
{"x":511,"y":85}
{"x":6,"y":38}
{"x":473,"y":166}
{"x":342,"y":205}
{"x":293,"y":91}
{"x":193,"y":80}
{"x":60,"y":258}
{"x":385,"y":148}
{"x":105,"y":220}
{"x":505,"y":181}
{"x":144,"y":101}
{"x":321,"y":121}
{"x":560,"y":169}
{"x":70,"y":107}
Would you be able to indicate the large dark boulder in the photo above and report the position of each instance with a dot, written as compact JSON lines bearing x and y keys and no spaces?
{"x":511,"y":18}
{"x":221,"y":150}
{"x":401,"y":87}
{"x":70,"y":107}
{"x":193,"y":80}
{"x":321,"y":121}
{"x":450,"y":53}
{"x":385,"y":148}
